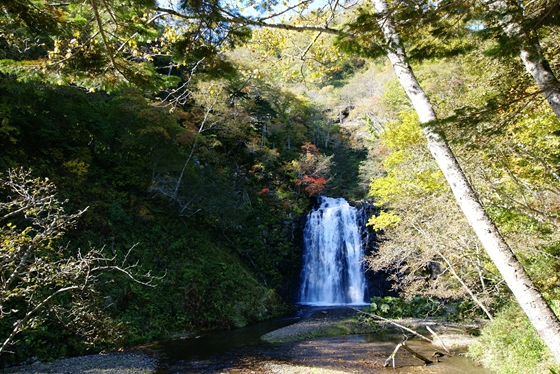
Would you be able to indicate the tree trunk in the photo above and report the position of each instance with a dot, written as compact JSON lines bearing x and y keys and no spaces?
{"x":530,"y":51}
{"x":541,"y":316}
{"x":537,"y":65}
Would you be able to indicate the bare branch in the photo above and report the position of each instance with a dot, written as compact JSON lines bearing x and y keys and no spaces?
{"x":286,"y":10}
{"x":467,"y":288}
{"x":31,"y":278}
{"x":104,"y":37}
{"x":18,"y":325}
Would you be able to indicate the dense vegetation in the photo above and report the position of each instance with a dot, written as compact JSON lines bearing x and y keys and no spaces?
{"x":215,"y":211}
{"x":199,"y":141}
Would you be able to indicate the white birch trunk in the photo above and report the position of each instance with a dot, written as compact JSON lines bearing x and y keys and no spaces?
{"x":537,"y":65}
{"x":541,"y":316}
{"x":530,"y":51}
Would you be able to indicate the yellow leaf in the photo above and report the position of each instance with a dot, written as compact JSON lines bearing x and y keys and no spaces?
{"x":383,"y":220}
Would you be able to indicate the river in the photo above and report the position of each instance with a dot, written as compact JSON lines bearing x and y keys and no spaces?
{"x":243,"y":351}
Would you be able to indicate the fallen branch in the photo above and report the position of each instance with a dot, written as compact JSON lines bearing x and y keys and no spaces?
{"x":410,"y":350}
{"x":416,"y":354}
{"x":436,"y":336}
{"x":395,"y":324}
{"x":403,"y":344}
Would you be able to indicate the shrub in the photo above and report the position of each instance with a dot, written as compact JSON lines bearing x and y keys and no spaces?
{"x":397,"y":307}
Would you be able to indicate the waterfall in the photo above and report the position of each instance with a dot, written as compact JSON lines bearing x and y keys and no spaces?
{"x":332,"y":272}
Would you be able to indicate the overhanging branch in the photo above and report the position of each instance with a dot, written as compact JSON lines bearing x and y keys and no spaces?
{"x":232,"y":18}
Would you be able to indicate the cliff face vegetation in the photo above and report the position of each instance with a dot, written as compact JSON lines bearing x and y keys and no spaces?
{"x":189,"y":203}
{"x":205,"y":197}
{"x":180,"y":146}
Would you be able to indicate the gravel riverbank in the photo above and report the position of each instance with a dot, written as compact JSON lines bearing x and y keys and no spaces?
{"x":109,"y":363}
{"x":328,"y":321}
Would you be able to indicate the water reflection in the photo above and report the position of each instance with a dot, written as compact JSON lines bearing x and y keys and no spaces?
{"x":215,"y":351}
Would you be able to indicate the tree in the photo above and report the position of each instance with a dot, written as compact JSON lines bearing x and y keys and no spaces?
{"x":531,"y":301}
{"x":94,"y":44}
{"x":312,"y":169}
{"x":510,"y":157}
{"x":450,"y":28}
{"x":41,"y":280}
{"x":519,"y":24}
{"x":429,"y":249}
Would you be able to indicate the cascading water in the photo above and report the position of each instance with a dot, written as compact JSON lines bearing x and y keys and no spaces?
{"x":333,"y":273}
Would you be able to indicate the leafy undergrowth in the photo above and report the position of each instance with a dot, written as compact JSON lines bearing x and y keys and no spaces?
{"x":397,"y":307}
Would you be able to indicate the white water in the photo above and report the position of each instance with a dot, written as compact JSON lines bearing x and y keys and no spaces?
{"x":332,"y":262}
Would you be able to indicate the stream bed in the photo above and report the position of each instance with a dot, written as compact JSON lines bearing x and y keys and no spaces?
{"x":243,"y":351}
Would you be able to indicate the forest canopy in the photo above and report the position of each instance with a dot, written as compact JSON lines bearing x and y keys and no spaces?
{"x":199,"y":132}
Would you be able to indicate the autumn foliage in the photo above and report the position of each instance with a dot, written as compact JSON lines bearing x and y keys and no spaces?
{"x":312,"y":169}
